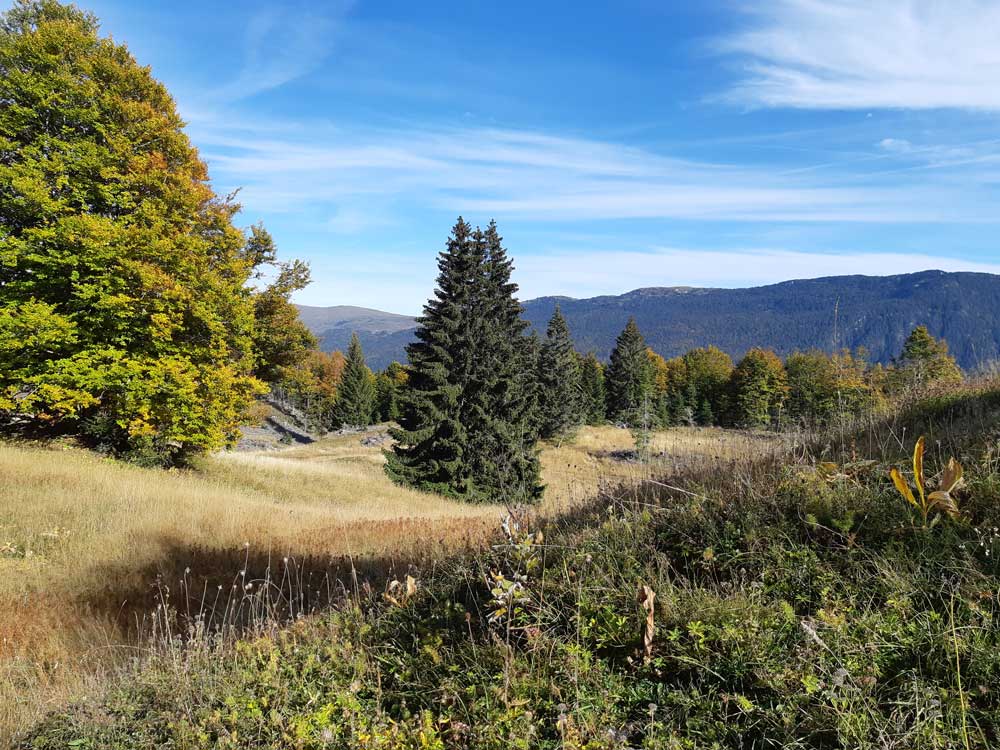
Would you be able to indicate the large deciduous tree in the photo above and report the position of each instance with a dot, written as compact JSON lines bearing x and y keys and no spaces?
{"x":125,"y":307}
{"x":759,"y":389}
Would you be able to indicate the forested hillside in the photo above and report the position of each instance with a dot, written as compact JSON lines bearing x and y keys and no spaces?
{"x":847,"y":311}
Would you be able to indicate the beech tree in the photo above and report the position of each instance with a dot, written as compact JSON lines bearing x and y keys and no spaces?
{"x":126,"y":308}
{"x":759,"y":389}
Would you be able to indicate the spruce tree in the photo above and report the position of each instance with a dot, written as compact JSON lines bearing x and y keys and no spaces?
{"x":503,"y":427}
{"x":387,"y":385}
{"x":431,"y":450}
{"x":628,"y":380}
{"x":356,"y":392}
{"x":466,"y":425}
{"x":592,"y":385}
{"x":560,"y":390}
{"x":704,"y":416}
{"x":678,"y":409}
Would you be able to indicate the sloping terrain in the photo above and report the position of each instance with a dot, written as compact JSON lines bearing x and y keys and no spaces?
{"x":89,"y":546}
{"x":759,"y":602}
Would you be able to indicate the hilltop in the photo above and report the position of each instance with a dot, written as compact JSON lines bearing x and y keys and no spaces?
{"x":874,"y":312}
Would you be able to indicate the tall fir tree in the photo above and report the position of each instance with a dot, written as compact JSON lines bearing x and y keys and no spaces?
{"x":705,"y":416}
{"x":504,"y":426}
{"x":592,"y":385}
{"x":560,"y":391}
{"x":431,"y":443}
{"x":466,"y":426}
{"x":356,"y":393}
{"x":628,"y":381}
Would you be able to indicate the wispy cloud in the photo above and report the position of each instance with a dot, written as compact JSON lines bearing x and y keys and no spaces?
{"x":541,"y":177}
{"x":281,"y":44}
{"x":401,"y":282}
{"x":866,"y":54}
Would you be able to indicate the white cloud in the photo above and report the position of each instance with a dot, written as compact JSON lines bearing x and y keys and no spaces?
{"x":540,"y":177}
{"x":896,"y":145}
{"x":864,"y":54}
{"x":281,"y":45}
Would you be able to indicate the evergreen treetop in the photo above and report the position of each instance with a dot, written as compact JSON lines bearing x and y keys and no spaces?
{"x":628,"y":380}
{"x":356,"y":392}
{"x":925,"y":360}
{"x":560,"y":389}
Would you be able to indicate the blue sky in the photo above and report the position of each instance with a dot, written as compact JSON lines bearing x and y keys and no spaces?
{"x":618,"y":145}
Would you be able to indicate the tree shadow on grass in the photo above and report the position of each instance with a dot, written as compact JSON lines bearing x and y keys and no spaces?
{"x":217,"y":589}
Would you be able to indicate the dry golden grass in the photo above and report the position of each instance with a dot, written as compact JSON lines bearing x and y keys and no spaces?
{"x":82,"y":539}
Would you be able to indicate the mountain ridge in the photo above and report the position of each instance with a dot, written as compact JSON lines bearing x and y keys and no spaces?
{"x":874,"y":312}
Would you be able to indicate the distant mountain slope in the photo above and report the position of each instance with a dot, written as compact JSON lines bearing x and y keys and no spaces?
{"x":876,"y":312}
{"x":346,"y":317}
{"x":384,"y":336}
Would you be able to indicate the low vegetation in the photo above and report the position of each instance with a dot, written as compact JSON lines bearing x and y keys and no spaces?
{"x":765,"y":601}
{"x":84,"y":539}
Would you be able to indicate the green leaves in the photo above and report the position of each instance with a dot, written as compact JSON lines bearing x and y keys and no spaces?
{"x":124,"y":298}
{"x":759,"y":389}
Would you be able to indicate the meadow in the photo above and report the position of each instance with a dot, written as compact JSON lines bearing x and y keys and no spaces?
{"x":90,"y":546}
{"x":747,"y":591}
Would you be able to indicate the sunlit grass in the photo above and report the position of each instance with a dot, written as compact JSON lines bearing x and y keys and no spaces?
{"x":80,"y":535}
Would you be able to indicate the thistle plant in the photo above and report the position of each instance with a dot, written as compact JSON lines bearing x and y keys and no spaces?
{"x":939,"y":501}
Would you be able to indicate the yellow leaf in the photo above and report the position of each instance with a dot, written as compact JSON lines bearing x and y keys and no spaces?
{"x":902,"y":486}
{"x":918,"y":468}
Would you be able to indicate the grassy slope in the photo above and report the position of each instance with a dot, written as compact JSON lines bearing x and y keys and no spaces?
{"x":789,"y":612}
{"x":82,"y":539}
